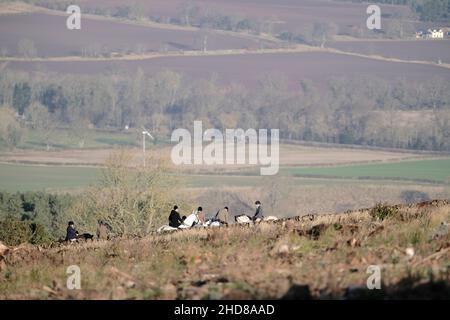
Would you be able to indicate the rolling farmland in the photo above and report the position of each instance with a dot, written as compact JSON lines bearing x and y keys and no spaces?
{"x":26,"y":177}
{"x":97,"y":37}
{"x":111,"y":39}
{"x":100,"y":145}
{"x":246,"y":69}
{"x":286,"y":14}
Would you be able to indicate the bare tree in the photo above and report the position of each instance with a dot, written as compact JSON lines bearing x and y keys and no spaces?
{"x":11,"y":132}
{"x":274,"y":191}
{"x":188,"y":11}
{"x":132,"y":200}
{"x":80,"y":130}
{"x":42,"y":121}
{"x":323,"y":32}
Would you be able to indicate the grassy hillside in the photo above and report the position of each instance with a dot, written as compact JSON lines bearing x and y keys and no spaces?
{"x":312,"y":257}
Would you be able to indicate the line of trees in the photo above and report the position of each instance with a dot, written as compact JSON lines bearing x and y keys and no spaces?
{"x":358,"y":110}
{"x":47,"y":210}
{"x":354,"y":110}
{"x":426,"y":10}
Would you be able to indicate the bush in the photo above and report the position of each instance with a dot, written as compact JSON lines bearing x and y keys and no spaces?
{"x":39,"y":234}
{"x":44,"y":209}
{"x":11,"y":131}
{"x":383,"y":211}
{"x":14,"y":232}
{"x":133,"y":201}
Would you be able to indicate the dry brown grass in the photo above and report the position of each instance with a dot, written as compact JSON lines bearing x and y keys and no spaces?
{"x":290,"y":155}
{"x":89,"y":157}
{"x":16,"y":8}
{"x":328,"y":254}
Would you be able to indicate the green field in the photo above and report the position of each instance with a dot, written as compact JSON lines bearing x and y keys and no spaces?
{"x":26,"y":177}
{"x":34,"y":178}
{"x":423,"y":170}
{"x":52,"y":178}
{"x":65,"y":139}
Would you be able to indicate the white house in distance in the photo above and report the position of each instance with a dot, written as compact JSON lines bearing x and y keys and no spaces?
{"x":436,"y":34}
{"x":430,"y":34}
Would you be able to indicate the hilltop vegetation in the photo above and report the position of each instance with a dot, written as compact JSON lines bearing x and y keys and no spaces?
{"x":314,"y":257}
{"x":39,"y":208}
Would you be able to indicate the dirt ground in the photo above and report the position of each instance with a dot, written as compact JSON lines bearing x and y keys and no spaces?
{"x":16,"y":8}
{"x":290,"y":155}
{"x":318,"y":67}
{"x":53,"y":39}
{"x":290,"y":15}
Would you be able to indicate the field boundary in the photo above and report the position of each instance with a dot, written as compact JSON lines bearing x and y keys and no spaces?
{"x":155,"y":55}
{"x":30,"y":163}
{"x":16,"y":8}
{"x":361,"y":147}
{"x":367,"y":178}
{"x":223,"y":52}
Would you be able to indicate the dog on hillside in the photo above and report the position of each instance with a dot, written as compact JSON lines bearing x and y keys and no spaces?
{"x":85,"y":237}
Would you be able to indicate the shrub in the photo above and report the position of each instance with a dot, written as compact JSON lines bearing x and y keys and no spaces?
{"x":133,"y":201}
{"x":46,"y":210}
{"x":11,"y":131}
{"x":39,"y":234}
{"x":14,"y":232}
{"x":383,"y":211}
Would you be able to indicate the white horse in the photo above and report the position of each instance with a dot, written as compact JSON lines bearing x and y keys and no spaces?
{"x":244,"y":219}
{"x":191,"y":221}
